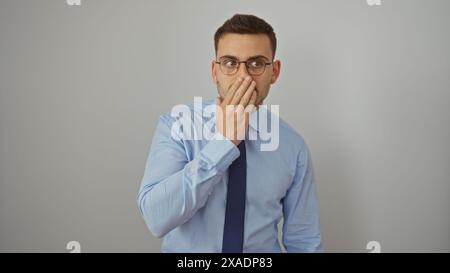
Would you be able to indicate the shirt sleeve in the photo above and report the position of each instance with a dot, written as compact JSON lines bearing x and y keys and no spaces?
{"x":301,"y":227}
{"x":173,"y":188}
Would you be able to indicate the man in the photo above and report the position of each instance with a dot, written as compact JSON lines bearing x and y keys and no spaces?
{"x":223,"y":193}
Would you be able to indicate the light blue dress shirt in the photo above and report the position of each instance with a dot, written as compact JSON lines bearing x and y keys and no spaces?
{"x":182,"y":196}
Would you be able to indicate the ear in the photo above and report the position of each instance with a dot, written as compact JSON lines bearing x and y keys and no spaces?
{"x":276,"y":66}
{"x":213,"y":71}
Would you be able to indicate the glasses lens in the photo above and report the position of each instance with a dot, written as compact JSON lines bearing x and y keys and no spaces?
{"x":256,"y":66}
{"x":228,"y":65}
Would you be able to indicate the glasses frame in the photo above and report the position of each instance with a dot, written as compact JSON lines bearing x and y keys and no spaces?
{"x":246,"y":67}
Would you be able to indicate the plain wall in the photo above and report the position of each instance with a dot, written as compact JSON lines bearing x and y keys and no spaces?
{"x":82,"y":87}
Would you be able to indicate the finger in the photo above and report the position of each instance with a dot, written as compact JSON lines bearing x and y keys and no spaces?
{"x":241,"y":91}
{"x":246,"y":98}
{"x":251,"y":104}
{"x":232,"y":90}
{"x":253,"y":98}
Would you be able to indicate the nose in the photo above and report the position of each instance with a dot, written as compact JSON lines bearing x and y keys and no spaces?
{"x":242,"y":71}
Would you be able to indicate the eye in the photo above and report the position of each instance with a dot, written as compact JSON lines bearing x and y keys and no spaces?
{"x":229,"y":63}
{"x":257,"y":63}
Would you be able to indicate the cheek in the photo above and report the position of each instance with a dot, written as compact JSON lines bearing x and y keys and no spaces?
{"x":222,"y":87}
{"x":225,"y":83}
{"x":262,"y":87}
{"x":222,"y":84}
{"x":262,"y":90}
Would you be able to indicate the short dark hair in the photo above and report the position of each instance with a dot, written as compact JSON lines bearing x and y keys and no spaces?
{"x":246,"y":24}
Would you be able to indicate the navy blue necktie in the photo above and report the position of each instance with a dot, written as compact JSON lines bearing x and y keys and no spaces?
{"x":233,"y":232}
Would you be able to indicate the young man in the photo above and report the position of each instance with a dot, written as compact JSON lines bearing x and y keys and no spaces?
{"x":224,"y":193}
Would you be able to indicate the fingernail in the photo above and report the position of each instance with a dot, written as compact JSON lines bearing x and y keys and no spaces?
{"x":247,"y":78}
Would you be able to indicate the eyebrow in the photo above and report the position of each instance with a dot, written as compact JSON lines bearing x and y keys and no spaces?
{"x":249,"y":58}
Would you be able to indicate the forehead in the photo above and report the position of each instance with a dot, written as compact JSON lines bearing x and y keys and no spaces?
{"x":244,"y":46}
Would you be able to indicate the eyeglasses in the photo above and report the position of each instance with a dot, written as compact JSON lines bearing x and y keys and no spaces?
{"x":255,"y":66}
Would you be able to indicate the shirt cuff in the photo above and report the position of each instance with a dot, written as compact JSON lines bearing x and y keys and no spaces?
{"x":220,"y":152}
